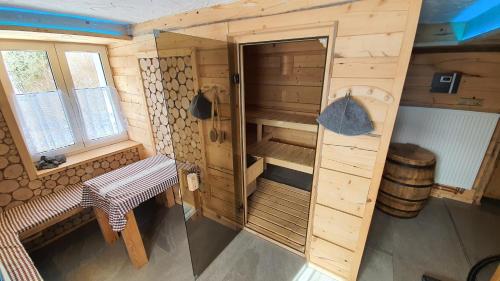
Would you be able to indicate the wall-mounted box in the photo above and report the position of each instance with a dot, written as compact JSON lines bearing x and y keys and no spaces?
{"x":446,"y":82}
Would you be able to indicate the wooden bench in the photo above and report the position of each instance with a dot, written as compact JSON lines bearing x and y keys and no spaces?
{"x":25,"y":220}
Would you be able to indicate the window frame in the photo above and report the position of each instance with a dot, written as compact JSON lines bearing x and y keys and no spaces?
{"x":64,"y":83}
{"x":61,"y":50}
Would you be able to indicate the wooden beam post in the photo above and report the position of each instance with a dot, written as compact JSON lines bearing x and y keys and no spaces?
{"x":133,"y":242}
{"x":169,"y":194}
{"x":102,"y":218}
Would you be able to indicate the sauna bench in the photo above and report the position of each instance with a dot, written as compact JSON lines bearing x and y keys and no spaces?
{"x":282,"y":120}
{"x":26,"y":220}
{"x":285,"y":155}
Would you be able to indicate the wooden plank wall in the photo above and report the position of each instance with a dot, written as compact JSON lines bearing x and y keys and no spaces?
{"x":123,"y":58}
{"x":372,"y":48}
{"x":210,"y":74}
{"x":481,"y":73}
{"x":493,"y":187}
{"x":286,"y":77}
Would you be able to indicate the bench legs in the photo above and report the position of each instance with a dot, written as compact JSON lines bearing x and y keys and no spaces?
{"x":102,"y":218}
{"x":170,"y":197}
{"x":166,"y":198}
{"x":131,"y":236}
{"x":133,"y":242}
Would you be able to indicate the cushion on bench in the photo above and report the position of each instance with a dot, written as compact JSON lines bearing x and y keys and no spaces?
{"x":19,"y":219}
{"x":14,"y":257}
{"x":44,"y":209}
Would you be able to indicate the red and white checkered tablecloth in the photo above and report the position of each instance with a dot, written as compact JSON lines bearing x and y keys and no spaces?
{"x":119,"y":191}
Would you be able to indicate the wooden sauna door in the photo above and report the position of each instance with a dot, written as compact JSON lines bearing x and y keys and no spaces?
{"x":189,"y":64}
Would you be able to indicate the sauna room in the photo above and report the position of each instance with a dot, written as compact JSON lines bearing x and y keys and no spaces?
{"x":249,"y":140}
{"x":283,"y":83}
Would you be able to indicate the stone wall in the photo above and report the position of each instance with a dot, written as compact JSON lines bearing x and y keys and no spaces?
{"x":169,"y":89}
{"x":157,"y":105}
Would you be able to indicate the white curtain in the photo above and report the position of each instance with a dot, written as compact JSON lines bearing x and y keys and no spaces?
{"x":100,"y":111}
{"x":44,"y":121}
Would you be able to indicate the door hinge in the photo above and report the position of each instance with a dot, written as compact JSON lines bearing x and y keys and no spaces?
{"x":236,"y":78}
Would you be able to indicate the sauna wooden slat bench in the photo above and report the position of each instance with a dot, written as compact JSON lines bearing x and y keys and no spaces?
{"x":285,"y":155}
{"x":29,"y":218}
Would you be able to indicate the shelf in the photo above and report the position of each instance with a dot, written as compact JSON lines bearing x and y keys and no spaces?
{"x":88,"y":156}
{"x":285,"y":155}
{"x":280,"y":212}
{"x":282,"y":120}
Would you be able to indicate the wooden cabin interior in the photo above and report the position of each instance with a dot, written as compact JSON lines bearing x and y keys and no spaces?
{"x":250,"y":140}
{"x":283,"y":83}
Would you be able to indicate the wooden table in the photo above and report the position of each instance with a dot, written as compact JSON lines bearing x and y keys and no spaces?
{"x":131,"y":236}
{"x":114,"y":196}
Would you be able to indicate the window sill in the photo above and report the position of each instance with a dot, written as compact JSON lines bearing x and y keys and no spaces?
{"x":89,"y":156}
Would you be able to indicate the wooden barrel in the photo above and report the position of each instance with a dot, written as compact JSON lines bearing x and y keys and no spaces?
{"x":407,"y":181}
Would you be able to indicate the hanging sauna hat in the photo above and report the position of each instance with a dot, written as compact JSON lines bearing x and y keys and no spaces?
{"x":200,"y":107}
{"x":344,"y":116}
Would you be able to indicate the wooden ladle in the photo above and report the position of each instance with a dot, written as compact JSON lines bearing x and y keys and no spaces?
{"x":213,"y":132}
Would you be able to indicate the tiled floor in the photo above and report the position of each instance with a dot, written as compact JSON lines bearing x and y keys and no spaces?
{"x":445,"y":240}
{"x":83,"y":255}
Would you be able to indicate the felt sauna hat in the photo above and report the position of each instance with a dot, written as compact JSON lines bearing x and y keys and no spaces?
{"x":200,"y":107}
{"x":344,"y":116}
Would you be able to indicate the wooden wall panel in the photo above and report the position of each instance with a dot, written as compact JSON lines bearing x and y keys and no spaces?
{"x":350,"y":166}
{"x":372,"y":49}
{"x":369,"y":45}
{"x":285,"y":77}
{"x":123,"y":59}
{"x":481,"y":72}
{"x":493,"y":187}
{"x":210,"y":64}
{"x":488,"y":177}
{"x":290,"y":136}
{"x":348,"y":159}
{"x":346,"y":192}
{"x":331,"y":257}
{"x":335,"y":226}
{"x":376,"y":67}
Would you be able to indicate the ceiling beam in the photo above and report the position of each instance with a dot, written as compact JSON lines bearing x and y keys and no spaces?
{"x":440,"y":34}
{"x":477,"y":25}
{"x":483,"y":23}
{"x":240,"y":10}
{"x":22,"y":19}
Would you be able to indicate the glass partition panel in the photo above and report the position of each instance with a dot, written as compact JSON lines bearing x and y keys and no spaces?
{"x":193,"y":73}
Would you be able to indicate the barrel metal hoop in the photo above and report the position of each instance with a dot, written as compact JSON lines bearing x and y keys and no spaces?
{"x":413,"y":213}
{"x":426,"y":167}
{"x":404,"y":199}
{"x":407,"y":184}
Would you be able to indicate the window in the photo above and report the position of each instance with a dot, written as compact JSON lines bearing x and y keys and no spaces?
{"x":62,"y":95}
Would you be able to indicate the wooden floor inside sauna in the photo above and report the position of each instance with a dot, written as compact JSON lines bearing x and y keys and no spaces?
{"x":280,"y":212}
